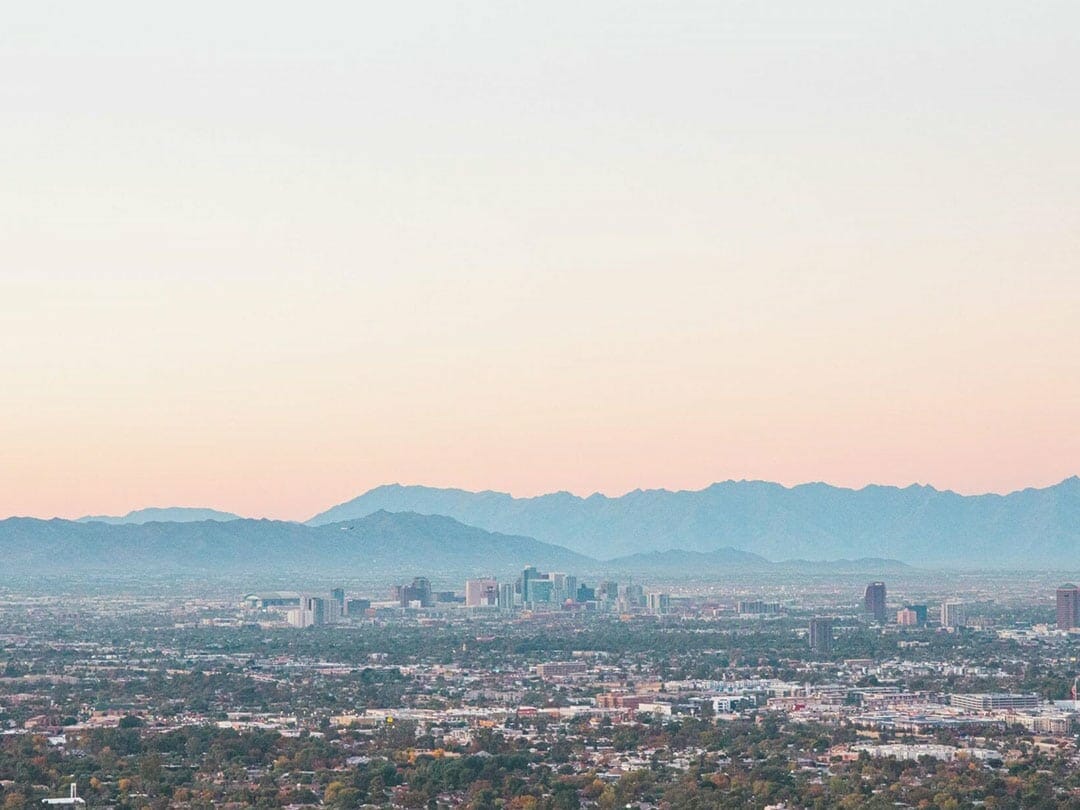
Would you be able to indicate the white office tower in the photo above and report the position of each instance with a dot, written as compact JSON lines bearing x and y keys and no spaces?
{"x":953,"y":614}
{"x":506,"y":596}
{"x":312,"y":611}
{"x":659,"y":603}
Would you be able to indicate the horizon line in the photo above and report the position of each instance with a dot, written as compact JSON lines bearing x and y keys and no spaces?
{"x":594,"y":494}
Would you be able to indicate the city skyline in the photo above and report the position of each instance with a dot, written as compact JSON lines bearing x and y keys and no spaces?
{"x":508,"y":406}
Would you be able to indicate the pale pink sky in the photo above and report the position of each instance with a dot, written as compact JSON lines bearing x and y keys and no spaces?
{"x":262,"y":263}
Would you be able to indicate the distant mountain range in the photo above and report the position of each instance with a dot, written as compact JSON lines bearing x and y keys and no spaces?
{"x":917,"y":524}
{"x":172,"y":514}
{"x":734,"y":525}
{"x":383,"y":545}
{"x":380,"y":544}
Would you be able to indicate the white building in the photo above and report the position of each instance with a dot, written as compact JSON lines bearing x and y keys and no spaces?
{"x":953,"y":614}
{"x":481,"y":592}
{"x":72,"y":799}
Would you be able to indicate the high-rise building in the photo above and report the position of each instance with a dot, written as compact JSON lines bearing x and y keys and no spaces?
{"x":311,"y":612}
{"x":608,"y":591}
{"x":527,"y":576}
{"x":335,"y":608}
{"x":481,"y":592}
{"x":658,"y":603}
{"x":953,"y":613}
{"x":418,"y":594}
{"x":874,"y":600}
{"x":632,"y":596}
{"x":921,"y":613}
{"x":506,"y":596}
{"x":906,"y":617}
{"x":1068,"y":607}
{"x":357,"y":607}
{"x":541,"y":592}
{"x":539,"y":589}
{"x":821,"y":636}
{"x":560,"y":586}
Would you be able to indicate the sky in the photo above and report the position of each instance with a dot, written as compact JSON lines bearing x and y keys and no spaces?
{"x":262,"y":258}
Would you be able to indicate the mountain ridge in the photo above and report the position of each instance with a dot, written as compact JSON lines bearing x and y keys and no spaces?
{"x":162,"y":514}
{"x":381,"y":545}
{"x":914,"y":524}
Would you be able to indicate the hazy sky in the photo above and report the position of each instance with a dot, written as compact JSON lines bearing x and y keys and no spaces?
{"x":263,"y":256}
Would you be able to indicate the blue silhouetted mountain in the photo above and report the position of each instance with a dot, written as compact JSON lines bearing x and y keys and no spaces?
{"x":916,"y":524}
{"x":378,"y":544}
{"x":170,"y":514}
{"x":387,"y":545}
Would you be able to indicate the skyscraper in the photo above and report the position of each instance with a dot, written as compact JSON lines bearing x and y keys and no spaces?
{"x":311,"y":612}
{"x":953,"y":613}
{"x":481,"y":592}
{"x":506,"y":596}
{"x":920,"y":611}
{"x":874,"y":600}
{"x":418,"y":593}
{"x":659,"y":603}
{"x":1068,"y":607}
{"x":821,"y":634}
{"x":336,"y":608}
{"x":528,"y":575}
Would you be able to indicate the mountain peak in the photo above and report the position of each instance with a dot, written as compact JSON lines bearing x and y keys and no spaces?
{"x":158,"y":514}
{"x":916,"y":523}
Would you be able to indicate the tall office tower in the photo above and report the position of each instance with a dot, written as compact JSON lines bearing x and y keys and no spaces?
{"x":608,"y":591}
{"x":316,"y":605}
{"x":560,"y":588}
{"x":481,"y":592}
{"x":658,"y":603}
{"x":953,"y":613}
{"x":821,"y":634}
{"x":541,"y":592}
{"x":528,"y":575}
{"x":1068,"y":607}
{"x":506,"y":596}
{"x":585,"y":594}
{"x":312,"y":611}
{"x":418,"y":593}
{"x":874,"y":600}
{"x":634,"y":596}
{"x":571,"y":588}
{"x":336,"y":607}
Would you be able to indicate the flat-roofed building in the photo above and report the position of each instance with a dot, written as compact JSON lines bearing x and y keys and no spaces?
{"x":953,"y":614}
{"x":560,"y":669}
{"x":821,"y":634}
{"x":1068,"y":607}
{"x":481,"y":592}
{"x":993,"y":701}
